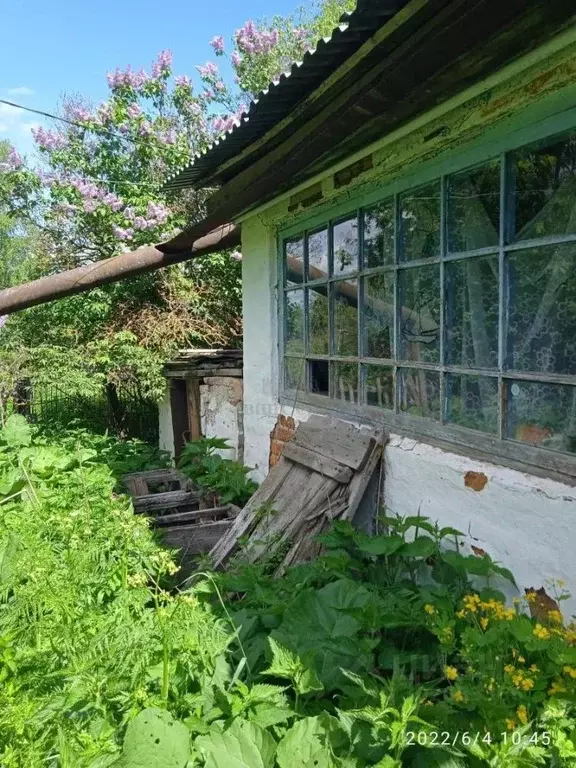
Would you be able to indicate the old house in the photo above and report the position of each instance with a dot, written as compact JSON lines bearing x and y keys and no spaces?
{"x":407,"y":203}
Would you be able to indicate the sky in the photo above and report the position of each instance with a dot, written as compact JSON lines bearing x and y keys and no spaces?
{"x":67,"y":46}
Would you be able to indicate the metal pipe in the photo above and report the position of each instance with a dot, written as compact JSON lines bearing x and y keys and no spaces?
{"x":145,"y":259}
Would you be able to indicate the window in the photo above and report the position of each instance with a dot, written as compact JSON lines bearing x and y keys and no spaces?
{"x":453,"y":303}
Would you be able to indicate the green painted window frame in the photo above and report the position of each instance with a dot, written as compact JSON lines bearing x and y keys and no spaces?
{"x":524,"y":456}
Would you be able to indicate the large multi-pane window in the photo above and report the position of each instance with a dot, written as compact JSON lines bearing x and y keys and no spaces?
{"x":453,"y":302}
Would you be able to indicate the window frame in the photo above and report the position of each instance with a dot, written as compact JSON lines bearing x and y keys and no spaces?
{"x":471,"y":442}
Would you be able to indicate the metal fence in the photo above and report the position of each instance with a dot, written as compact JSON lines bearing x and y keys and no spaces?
{"x":121,"y":411}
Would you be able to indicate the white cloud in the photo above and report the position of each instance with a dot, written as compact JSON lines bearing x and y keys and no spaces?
{"x":21,"y":90}
{"x":9,"y":112}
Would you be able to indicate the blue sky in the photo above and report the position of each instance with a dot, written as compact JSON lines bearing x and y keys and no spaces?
{"x":67,"y":46}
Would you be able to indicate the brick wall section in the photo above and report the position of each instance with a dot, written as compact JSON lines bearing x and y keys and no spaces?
{"x":283,"y":432}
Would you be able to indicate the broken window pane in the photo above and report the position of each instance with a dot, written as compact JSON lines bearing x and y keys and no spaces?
{"x":318,"y":255}
{"x":294,"y":257}
{"x":419,"y":313}
{"x":472,"y":401}
{"x":294,"y":317}
{"x":420,"y":223}
{"x":294,"y":373}
{"x":419,"y":392}
{"x":542,"y":414}
{"x":318,"y":341}
{"x":379,"y":235}
{"x":379,"y":386}
{"x":542,"y":312}
{"x":345,"y":235}
{"x":345,"y":298}
{"x":474,"y":208}
{"x":379,"y":315}
{"x":345,"y":381}
{"x":471,"y":312}
{"x":543,"y":195}
{"x":318,"y":376}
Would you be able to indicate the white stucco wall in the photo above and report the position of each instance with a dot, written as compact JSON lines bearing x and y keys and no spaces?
{"x":221,"y":413}
{"x":166,"y":432}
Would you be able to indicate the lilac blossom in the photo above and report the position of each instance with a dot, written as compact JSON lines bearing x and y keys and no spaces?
{"x":218,"y":44}
{"x":123,"y":234}
{"x":223,"y":124}
{"x":162,"y":65}
{"x":250,"y":39}
{"x":13,"y":161}
{"x":157,"y":212}
{"x":49,"y":140}
{"x":104,"y":112}
{"x":145,"y":129}
{"x":119,"y":78}
{"x":90,"y":206}
{"x":134,"y":111}
{"x":183,"y":81}
{"x":208,"y":70}
{"x":78,"y":113}
{"x":236,"y":58}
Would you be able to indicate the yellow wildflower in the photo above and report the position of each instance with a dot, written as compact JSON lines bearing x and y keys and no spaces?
{"x":430,"y":610}
{"x":510,"y":723}
{"x":522,"y":713}
{"x":527,"y":684}
{"x":516,"y":600}
{"x":555,"y":617}
{"x":533,"y":668}
{"x":556,"y":687}
{"x":531,"y":597}
{"x":521,"y":659}
{"x":458,"y":697}
{"x":451,"y":673}
{"x":541,"y":632}
{"x":460,"y":614}
{"x":569,"y":671}
{"x":509,"y":669}
{"x":484,"y":622}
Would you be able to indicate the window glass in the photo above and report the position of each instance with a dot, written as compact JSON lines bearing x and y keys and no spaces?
{"x":318,"y":342}
{"x":419,"y":313}
{"x":420,"y":223}
{"x":542,"y":309}
{"x":379,"y":386}
{"x":378,"y":232}
{"x":294,"y":266}
{"x":474,"y":208}
{"x":543,"y":189}
{"x":345,"y":381}
{"x":318,"y":376}
{"x":345,"y":236}
{"x":472,"y":401}
{"x":419,"y":392}
{"x":345,"y":298}
{"x":318,"y":255}
{"x":542,"y":414}
{"x":471,"y":312}
{"x":379,"y":315}
{"x":294,"y":373}
{"x":294,"y":314}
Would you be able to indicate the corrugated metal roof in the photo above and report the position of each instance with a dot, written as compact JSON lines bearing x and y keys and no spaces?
{"x":282,"y":95}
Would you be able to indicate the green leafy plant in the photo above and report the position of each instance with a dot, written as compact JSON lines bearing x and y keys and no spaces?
{"x":228,"y":479}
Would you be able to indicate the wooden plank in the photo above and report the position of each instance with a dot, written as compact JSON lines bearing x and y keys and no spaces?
{"x":335,"y":440}
{"x":196,"y":517}
{"x":317,"y":463}
{"x":360,"y":482}
{"x":136,"y":486}
{"x":157,"y":501}
{"x":192,"y":539}
{"x":193,"y":395}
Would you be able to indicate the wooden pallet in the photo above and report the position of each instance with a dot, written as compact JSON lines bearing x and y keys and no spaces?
{"x":322,"y":475}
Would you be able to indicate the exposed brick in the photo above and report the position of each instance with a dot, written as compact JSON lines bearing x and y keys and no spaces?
{"x":283,"y":432}
{"x":475,"y":480}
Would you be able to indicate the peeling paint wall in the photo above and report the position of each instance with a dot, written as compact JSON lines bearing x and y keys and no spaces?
{"x":221,"y":413}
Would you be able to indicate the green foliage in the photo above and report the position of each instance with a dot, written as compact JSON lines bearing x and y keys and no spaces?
{"x":202,"y":464}
{"x":360,"y":658}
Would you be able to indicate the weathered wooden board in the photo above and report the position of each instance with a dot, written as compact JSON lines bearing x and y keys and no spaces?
{"x":197,"y":517}
{"x":142,"y":483}
{"x":335,"y":440}
{"x":155,"y":502}
{"x":307,"y":489}
{"x":324,"y":466}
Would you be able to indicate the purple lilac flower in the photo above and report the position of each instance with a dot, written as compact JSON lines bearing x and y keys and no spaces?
{"x":134,"y":111}
{"x":123,"y":234}
{"x":140,"y":222}
{"x":208,"y":70}
{"x":162,"y":65}
{"x":49,"y":140}
{"x":157,"y":212}
{"x":145,"y":129}
{"x":90,"y":206}
{"x":218,"y":44}
{"x":183,"y":81}
{"x":13,"y":160}
{"x":105,"y":112}
{"x":252,"y":40}
{"x":236,"y":58}
{"x":119,"y":78}
{"x":117,"y":205}
{"x":78,"y":113}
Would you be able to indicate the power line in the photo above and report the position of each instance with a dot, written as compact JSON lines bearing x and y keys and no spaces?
{"x":68,"y":121}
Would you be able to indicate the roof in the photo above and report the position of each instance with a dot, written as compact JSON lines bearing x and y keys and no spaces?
{"x":282,"y":95}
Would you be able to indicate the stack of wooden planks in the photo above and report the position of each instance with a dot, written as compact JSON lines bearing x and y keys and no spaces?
{"x":322,"y":476}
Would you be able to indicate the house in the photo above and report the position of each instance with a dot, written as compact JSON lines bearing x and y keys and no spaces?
{"x":407,"y":203}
